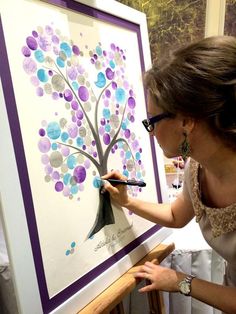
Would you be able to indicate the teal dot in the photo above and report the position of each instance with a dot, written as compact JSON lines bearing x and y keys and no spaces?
{"x":66,"y":48}
{"x":139,"y":175}
{"x":53,"y":130}
{"x":67,"y":252}
{"x":99,"y":50}
{"x":74,"y":189}
{"x":75,"y":85}
{"x":60,"y":62}
{"x":112,"y":64}
{"x":64,"y":136}
{"x":66,"y":178}
{"x":107,"y":127}
{"x":128,"y":155}
{"x":54,"y":146}
{"x":106,"y":113}
{"x":97,"y":182}
{"x":123,"y":126}
{"x":73,"y":244}
{"x":42,"y":75}
{"x":39,"y":55}
{"x":137,"y":156}
{"x":79,"y":141}
{"x":126,"y":173}
{"x":120,"y":95}
{"x":71,"y":162}
{"x":120,"y":144}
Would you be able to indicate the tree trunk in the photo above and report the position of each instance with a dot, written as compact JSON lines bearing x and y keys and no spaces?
{"x":105,"y":214}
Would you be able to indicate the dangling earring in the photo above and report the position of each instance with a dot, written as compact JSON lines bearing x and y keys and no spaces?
{"x":184,"y":147}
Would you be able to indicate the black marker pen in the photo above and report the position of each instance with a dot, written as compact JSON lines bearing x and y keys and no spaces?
{"x":127,"y":182}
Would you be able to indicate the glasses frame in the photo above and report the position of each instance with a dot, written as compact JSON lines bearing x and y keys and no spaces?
{"x":149,"y":123}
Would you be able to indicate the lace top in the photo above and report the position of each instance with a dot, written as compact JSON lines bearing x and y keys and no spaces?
{"x":222,"y":220}
{"x":218,"y":225}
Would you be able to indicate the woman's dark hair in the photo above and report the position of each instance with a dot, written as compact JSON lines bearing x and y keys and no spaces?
{"x":199,"y":81}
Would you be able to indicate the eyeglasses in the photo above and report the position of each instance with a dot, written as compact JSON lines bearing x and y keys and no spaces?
{"x":149,"y":123}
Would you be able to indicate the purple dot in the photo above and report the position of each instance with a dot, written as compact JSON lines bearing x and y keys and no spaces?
{"x":78,"y":122}
{"x":114,"y":85}
{"x":131,"y":102}
{"x":35,"y":34}
{"x":39,"y":91}
{"x":50,"y":72}
{"x":79,"y":174}
{"x":95,"y":57}
{"x":103,"y":121}
{"x":79,"y":114}
{"x":92,"y":61}
{"x":31,"y":43}
{"x":68,"y":95}
{"x":76,"y":50}
{"x":59,"y":186}
{"x":74,"y":105}
{"x":84,"y":147}
{"x":55,"y":39}
{"x":131,"y":118}
{"x":109,"y":74}
{"x":106,"y":139}
{"x":95,"y":154}
{"x":113,"y":47}
{"x":104,"y":53}
{"x":83,"y":93}
{"x":44,"y":145}
{"x":55,"y":95}
{"x":108,"y":93}
{"x":42,"y":132}
{"x":127,"y":133}
{"x":26,"y":51}
{"x":93,"y":143}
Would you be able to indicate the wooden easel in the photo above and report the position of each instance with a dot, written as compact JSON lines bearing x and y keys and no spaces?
{"x":110,"y":300}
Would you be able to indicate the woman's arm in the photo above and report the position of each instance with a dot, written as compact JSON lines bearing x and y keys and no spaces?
{"x":174,"y":215}
{"x":165,"y":279}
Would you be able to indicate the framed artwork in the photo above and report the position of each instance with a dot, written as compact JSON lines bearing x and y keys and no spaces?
{"x":72,"y":102}
{"x":230,"y":15}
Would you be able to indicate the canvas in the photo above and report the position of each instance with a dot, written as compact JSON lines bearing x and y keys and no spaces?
{"x":74,"y":101}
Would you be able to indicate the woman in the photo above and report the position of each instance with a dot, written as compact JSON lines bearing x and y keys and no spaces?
{"x":192,"y":102}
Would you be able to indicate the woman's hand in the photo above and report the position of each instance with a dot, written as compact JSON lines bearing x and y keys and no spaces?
{"x":161,"y":278}
{"x":117,"y":192}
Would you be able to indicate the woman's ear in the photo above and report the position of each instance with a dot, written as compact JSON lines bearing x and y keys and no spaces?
{"x":188,"y":124}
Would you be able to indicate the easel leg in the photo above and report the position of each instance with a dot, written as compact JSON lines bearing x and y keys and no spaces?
{"x":156,"y":302}
{"x":119,"y":309}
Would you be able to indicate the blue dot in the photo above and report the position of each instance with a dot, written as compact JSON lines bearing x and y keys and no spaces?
{"x":126,"y":173}
{"x":74,"y":189}
{"x":106,"y":113}
{"x":39,"y":55}
{"x":53,"y":130}
{"x":42,"y":75}
{"x":73,"y":244}
{"x":97,"y":182}
{"x":66,"y":48}
{"x":99,"y":50}
{"x":128,"y":155}
{"x":67,"y":252}
{"x":54,"y":146}
{"x":120,"y":95}
{"x":71,"y":162}
{"x":64,"y":136}
{"x":79,"y":141}
{"x":112,"y":64}
{"x":60,"y":62}
{"x":107,"y":128}
{"x":137,"y":156}
{"x":66,"y":178}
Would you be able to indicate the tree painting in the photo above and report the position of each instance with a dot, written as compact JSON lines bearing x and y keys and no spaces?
{"x":99,"y":110}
